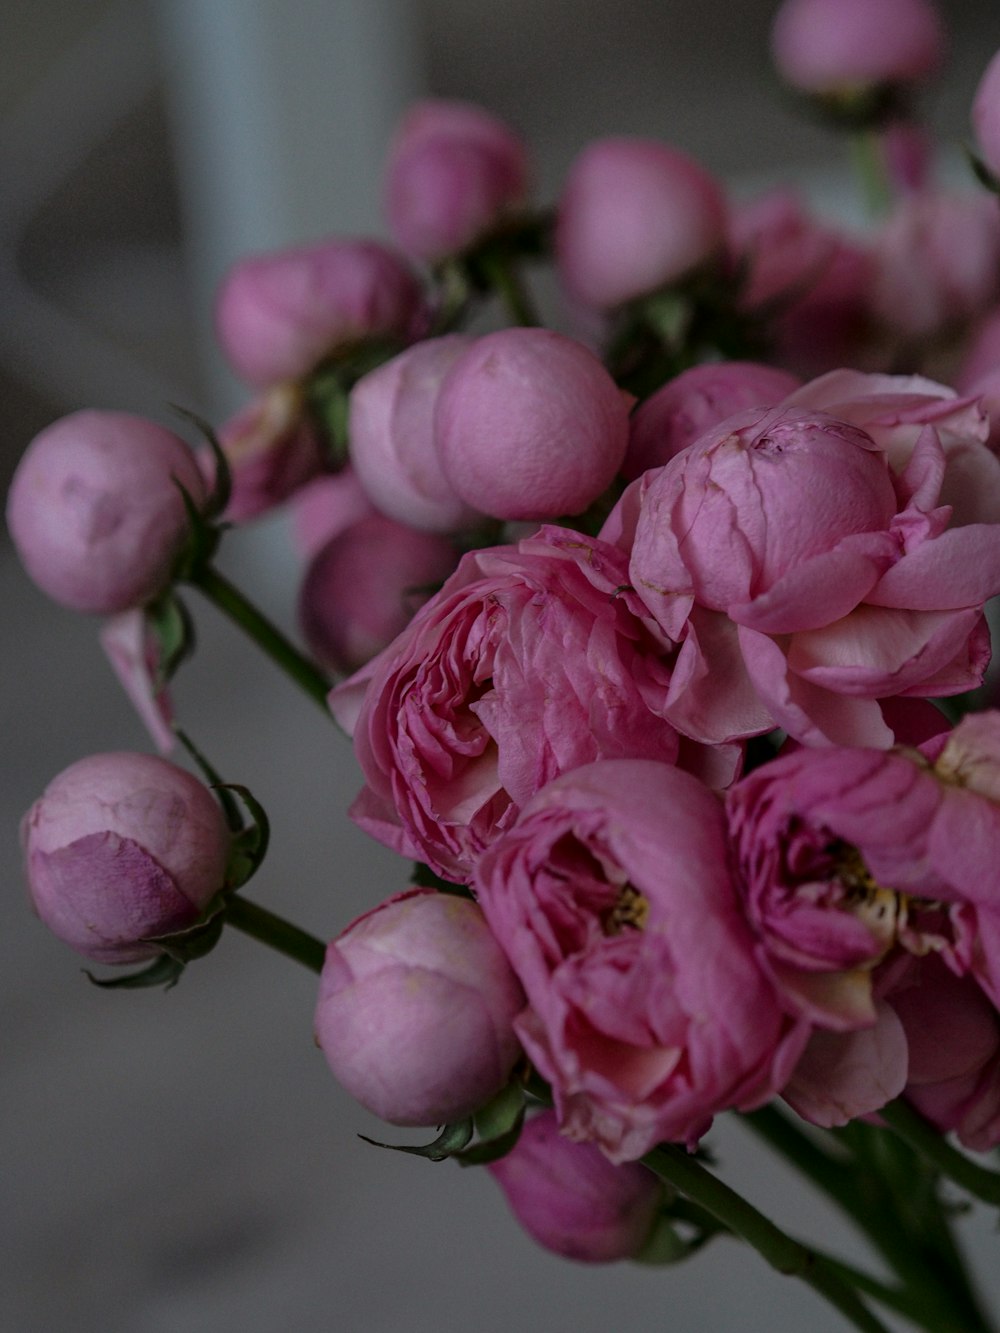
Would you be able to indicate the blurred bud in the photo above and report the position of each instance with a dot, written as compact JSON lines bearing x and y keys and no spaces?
{"x":572,"y":1200}
{"x":986,"y":115}
{"x":272,"y":448}
{"x":831,"y":46}
{"x":279,"y":314}
{"x":391,"y":431}
{"x":120,"y":848}
{"x":95,"y":511}
{"x":634,"y":216}
{"x":415,"y":1010}
{"x":529,"y":425}
{"x":362,"y":588}
{"x":453,"y":171}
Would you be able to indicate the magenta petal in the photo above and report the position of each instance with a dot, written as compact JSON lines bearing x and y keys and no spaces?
{"x":711,"y":697}
{"x":843,"y":1075}
{"x":132,"y":652}
{"x":958,"y":569}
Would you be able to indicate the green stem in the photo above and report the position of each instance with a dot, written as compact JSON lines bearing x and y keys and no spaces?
{"x":785,"y":1254}
{"x":508,"y":285}
{"x":869,"y":164}
{"x":268,"y":928}
{"x":231,"y":602}
{"x":931,"y":1144}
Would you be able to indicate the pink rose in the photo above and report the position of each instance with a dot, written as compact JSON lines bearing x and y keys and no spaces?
{"x":776,"y":551}
{"x":572,"y":1200}
{"x":648,"y":1012}
{"x":530,"y":661}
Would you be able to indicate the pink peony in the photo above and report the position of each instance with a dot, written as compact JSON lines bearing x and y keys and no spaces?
{"x":572,"y":1200}
{"x":634,"y":215}
{"x":530,"y":661}
{"x":391,"y":430}
{"x":120,"y":848}
{"x":830,"y":46}
{"x":454,"y":171}
{"x":95,"y":511}
{"x":272,"y":448}
{"x":415,"y":1009}
{"x":362,"y":587}
{"x":529,"y":425}
{"x":279,"y":314}
{"x":986,"y":115}
{"x":648,"y":1012}
{"x":776,"y":551}
{"x":326,"y":506}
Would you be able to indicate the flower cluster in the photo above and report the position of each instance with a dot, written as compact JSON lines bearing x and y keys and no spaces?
{"x":641,"y":635}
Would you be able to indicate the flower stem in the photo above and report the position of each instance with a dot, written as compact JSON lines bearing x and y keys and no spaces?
{"x":507,"y":283}
{"x":268,"y":928}
{"x":919,"y":1134}
{"x":231,"y":602}
{"x":868,"y":154}
{"x":785,"y":1254}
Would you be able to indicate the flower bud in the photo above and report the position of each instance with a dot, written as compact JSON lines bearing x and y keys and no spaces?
{"x":572,"y":1200}
{"x":272,"y":449}
{"x":634,"y":215}
{"x":391,"y":431}
{"x":453,"y":171}
{"x":530,"y":425}
{"x":415,"y":1009}
{"x":362,"y":588}
{"x":95,"y":511}
{"x":279,"y":314}
{"x":697,"y":399}
{"x":325,"y":507}
{"x":986,"y":115}
{"x":121,"y":848}
{"x":829,"y":46}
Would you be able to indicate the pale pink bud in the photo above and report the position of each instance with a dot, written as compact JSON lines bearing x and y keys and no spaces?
{"x":416,"y":1008}
{"x":699,"y":398}
{"x":454,"y":170}
{"x":363,"y":587}
{"x":572,"y":1200}
{"x":278,"y":314}
{"x":530,"y":425}
{"x":121,"y":848}
{"x":391,"y":431}
{"x":634,"y":215}
{"x":272,"y":448}
{"x":982,"y":353}
{"x":95,"y":510}
{"x":828,"y":46}
{"x":326,"y":506}
{"x":986,"y":115}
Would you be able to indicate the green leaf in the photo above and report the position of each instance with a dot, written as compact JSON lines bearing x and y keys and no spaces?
{"x":203,"y":538}
{"x":163,"y":971}
{"x":222,"y":489}
{"x":249,"y":846}
{"x":498,"y":1126}
{"x":171,"y":624}
{"x":198,"y":939}
{"x":452,"y":1139}
{"x":981,"y":171}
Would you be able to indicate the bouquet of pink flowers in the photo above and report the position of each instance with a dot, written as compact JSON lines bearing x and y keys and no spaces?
{"x":660,"y":646}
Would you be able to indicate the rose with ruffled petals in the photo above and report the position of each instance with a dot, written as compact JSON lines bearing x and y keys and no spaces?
{"x":782,"y":546}
{"x":648,"y":1011}
{"x":530,"y":661}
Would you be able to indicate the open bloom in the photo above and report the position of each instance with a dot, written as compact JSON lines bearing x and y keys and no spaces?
{"x":781,"y":547}
{"x":120,"y":848}
{"x":648,"y":1011}
{"x":527,"y":663}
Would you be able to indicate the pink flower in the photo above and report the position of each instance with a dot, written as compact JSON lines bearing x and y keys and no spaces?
{"x":775,"y":549}
{"x":120,"y":848}
{"x":937,"y":263}
{"x":634,"y":215}
{"x":391,"y":430}
{"x":272,"y":449}
{"x":279,"y":314}
{"x":95,"y":511}
{"x":529,"y":425}
{"x":828,"y":46}
{"x":986,"y":115}
{"x":697,"y":399}
{"x":324,"y":507}
{"x":415,"y":1009}
{"x":454,"y":171}
{"x":572,"y":1200}
{"x":530,"y":661}
{"x":134,"y":654}
{"x":648,"y":1013}
{"x":362,"y":587}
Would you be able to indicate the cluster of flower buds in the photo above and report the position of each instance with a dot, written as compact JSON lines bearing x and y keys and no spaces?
{"x":699,"y":836}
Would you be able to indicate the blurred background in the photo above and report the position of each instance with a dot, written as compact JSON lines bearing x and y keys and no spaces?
{"x":184,"y":1160}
